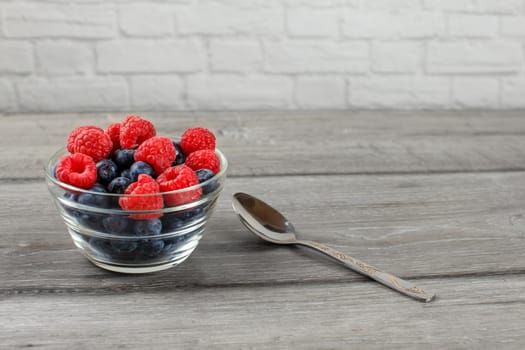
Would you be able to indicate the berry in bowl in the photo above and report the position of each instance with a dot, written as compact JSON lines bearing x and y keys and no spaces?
{"x":132,"y":201}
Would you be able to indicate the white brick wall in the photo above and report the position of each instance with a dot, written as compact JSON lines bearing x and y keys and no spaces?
{"x":135,"y":55}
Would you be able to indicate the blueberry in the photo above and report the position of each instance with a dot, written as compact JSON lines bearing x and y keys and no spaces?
{"x":140,"y":167}
{"x":106,"y":170}
{"x":115,"y":224}
{"x":180,"y":158}
{"x":119,"y":185}
{"x":124,"y":157}
{"x":189,"y":214}
{"x":101,"y":246}
{"x":151,"y":247}
{"x":126,"y":173}
{"x":95,"y":200}
{"x":148,"y":227}
{"x":205,"y":175}
{"x":123,"y":246}
{"x":89,"y":220}
{"x":171,"y":223}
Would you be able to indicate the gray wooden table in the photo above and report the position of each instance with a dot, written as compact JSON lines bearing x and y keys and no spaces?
{"x":435,"y":198}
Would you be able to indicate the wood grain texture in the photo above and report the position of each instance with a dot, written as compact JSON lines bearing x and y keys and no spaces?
{"x":258,"y":143}
{"x":471,"y":313}
{"x":437,"y":198}
{"x":410,"y":225}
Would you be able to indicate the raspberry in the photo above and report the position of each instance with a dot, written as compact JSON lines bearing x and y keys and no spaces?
{"x":195,"y":139}
{"x":144,"y":185}
{"x":134,"y":130}
{"x":73,"y":135}
{"x":157,"y":151}
{"x":78,"y":170}
{"x":176,"y":178}
{"x":204,"y":159}
{"x":92,"y":142}
{"x":114,"y":134}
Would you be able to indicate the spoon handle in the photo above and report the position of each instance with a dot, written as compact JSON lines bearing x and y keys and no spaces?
{"x":385,"y":278}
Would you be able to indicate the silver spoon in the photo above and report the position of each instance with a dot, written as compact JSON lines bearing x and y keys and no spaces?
{"x":270,"y":225}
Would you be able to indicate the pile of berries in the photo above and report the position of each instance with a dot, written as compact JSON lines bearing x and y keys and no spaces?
{"x":129,"y":158}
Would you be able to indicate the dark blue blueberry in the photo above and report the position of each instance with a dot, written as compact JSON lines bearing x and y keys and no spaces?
{"x":124,"y":246}
{"x":124,"y":157}
{"x":171,"y":223}
{"x":119,"y":185}
{"x":71,"y":197}
{"x":101,"y":246}
{"x":140,"y":167}
{"x":148,"y":227}
{"x":95,"y":200}
{"x":107,"y":170}
{"x":89,"y":220}
{"x":189,"y":214}
{"x":151,"y":247}
{"x":205,"y":175}
{"x":115,"y":224}
{"x":126,"y":173}
{"x":180,"y":158}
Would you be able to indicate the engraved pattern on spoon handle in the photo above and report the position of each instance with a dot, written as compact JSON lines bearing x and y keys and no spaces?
{"x":385,"y":278}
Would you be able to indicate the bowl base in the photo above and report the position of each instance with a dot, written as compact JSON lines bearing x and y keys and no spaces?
{"x":136,"y":269}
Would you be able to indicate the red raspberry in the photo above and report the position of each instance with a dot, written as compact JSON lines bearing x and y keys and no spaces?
{"x":144,"y":185}
{"x":195,"y":139}
{"x":74,"y":134}
{"x":78,"y":170}
{"x":204,"y":159}
{"x":158,"y":152}
{"x":92,"y":142}
{"x":176,"y":178}
{"x":134,"y":130}
{"x":114,"y":134}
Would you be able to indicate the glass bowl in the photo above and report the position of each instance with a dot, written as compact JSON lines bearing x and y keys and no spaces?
{"x":134,"y":241}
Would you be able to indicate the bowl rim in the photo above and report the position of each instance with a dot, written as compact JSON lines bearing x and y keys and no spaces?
{"x":62,"y":152}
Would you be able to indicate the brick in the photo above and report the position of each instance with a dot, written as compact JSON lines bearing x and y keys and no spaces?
{"x":413,"y":24}
{"x":320,"y":92}
{"x":157,"y":92}
{"x":7,"y":96}
{"x":236,"y":92}
{"x":64,"y":58}
{"x":235,"y":55}
{"x":513,"y":26}
{"x":396,"y":57}
{"x":16,"y":57}
{"x":50,"y":20}
{"x":465,"y":25}
{"x":476,"y":6}
{"x":399,"y":92}
{"x":452,"y":5}
{"x":320,"y":4}
{"x":253,"y":17}
{"x":501,"y":6}
{"x":391,"y":5}
{"x":474,"y":57}
{"x":73,"y":94}
{"x":145,"y":20}
{"x":313,"y":22}
{"x":318,"y":56}
{"x":513,"y":92}
{"x":475,"y":92}
{"x":131,"y":56}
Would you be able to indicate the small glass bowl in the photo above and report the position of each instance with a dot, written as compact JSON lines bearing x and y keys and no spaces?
{"x":134,"y":241}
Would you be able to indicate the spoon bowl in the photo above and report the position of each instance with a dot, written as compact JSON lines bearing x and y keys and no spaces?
{"x":269,"y":224}
{"x":263,"y":220}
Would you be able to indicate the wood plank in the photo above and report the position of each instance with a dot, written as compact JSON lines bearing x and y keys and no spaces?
{"x":411,"y":225}
{"x":266,"y":143}
{"x":471,"y":313}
